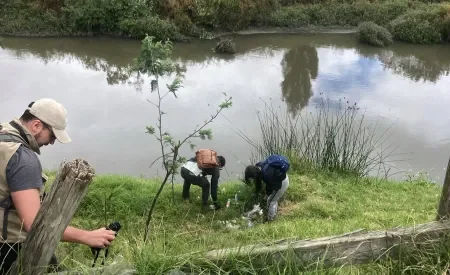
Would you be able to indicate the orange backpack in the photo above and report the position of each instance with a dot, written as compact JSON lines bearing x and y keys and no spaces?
{"x":206,"y":158}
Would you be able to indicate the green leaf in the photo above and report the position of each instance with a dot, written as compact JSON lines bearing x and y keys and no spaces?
{"x":181,"y":160}
{"x":226,"y":104}
{"x":206,"y":133}
{"x":150,"y":130}
{"x":176,"y":84}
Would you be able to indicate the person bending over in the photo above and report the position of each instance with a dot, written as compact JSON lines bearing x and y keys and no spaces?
{"x":195,"y":172}
{"x":273,"y":172}
{"x":22,"y":181}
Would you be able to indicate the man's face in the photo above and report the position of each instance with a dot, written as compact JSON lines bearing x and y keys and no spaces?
{"x":42,"y":133}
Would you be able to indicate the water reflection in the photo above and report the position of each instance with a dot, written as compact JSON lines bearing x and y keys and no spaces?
{"x":88,"y":73}
{"x":300,"y":65}
{"x":417,"y":62}
{"x":415,"y":67}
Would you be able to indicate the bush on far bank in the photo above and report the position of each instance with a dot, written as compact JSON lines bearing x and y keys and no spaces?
{"x":373,"y":34}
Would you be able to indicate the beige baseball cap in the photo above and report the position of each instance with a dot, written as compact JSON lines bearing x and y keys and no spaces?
{"x":54,"y":114}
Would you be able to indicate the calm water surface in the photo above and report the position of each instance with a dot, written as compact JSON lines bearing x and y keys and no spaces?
{"x":405,"y":84}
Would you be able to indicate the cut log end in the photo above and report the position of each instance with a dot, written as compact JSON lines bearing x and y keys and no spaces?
{"x":78,"y":169}
{"x":85,"y":170}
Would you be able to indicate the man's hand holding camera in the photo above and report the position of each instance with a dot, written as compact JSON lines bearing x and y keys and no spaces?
{"x":99,"y":238}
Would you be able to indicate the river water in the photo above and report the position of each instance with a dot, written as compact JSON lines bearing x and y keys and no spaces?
{"x":406,"y":86}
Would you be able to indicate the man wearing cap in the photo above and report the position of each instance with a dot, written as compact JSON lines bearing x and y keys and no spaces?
{"x":22,"y":181}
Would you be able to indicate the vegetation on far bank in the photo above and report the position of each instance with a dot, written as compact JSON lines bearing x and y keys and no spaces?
{"x":410,"y":21}
{"x":374,"y":34}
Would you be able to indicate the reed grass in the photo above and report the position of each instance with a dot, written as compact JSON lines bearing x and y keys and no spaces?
{"x":333,"y":137}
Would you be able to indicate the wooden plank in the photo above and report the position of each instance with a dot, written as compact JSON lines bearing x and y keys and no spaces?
{"x":444,"y":202}
{"x":54,"y":216}
{"x":355,"y":248}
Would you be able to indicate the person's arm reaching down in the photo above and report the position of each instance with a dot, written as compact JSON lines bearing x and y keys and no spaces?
{"x":27,"y":204}
{"x":24,"y":177}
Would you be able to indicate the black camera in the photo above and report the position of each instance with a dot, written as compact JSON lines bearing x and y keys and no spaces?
{"x":115,"y":226}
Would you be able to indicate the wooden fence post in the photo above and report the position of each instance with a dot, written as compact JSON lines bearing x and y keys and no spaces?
{"x":54,"y":216}
{"x":444,"y":203}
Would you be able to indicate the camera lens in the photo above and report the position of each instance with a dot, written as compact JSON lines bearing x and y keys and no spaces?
{"x":115,"y":226}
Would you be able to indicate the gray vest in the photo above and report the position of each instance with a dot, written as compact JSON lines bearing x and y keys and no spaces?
{"x":12,"y":136}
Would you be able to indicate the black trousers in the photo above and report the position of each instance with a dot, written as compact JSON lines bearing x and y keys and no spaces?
{"x":8,"y":255}
{"x":201,"y":181}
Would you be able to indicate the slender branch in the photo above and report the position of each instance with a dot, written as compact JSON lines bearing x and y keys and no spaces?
{"x":203,"y":126}
{"x":152,"y":103}
{"x":163,"y":154}
{"x":160,"y":157}
{"x":165,"y":95}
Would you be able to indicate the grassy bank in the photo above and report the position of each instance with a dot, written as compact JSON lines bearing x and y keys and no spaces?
{"x":411,"y":21}
{"x":316,"y":204}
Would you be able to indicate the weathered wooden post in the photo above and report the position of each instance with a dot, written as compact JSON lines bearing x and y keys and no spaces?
{"x":54,"y":216}
{"x":444,"y":203}
{"x":334,"y":251}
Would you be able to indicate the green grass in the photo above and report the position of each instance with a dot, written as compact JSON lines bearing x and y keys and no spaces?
{"x":315,"y":205}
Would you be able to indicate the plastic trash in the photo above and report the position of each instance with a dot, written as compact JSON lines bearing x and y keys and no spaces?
{"x":249,"y":223}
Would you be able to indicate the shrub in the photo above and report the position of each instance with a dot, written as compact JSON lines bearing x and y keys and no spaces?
{"x":379,"y":13}
{"x":444,"y":12}
{"x":100,"y":16}
{"x":422,"y":26}
{"x":373,"y":34}
{"x":21,"y":18}
{"x":335,"y":14}
{"x":236,"y":14}
{"x":226,"y":46}
{"x":183,"y":23}
{"x":152,"y":25}
{"x":288,"y":17}
{"x":230,"y":14}
{"x":204,"y":13}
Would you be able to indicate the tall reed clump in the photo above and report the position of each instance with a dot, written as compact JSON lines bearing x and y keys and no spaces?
{"x":334,"y":137}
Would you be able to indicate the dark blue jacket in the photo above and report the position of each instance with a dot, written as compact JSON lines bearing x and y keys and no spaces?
{"x":272,"y":180}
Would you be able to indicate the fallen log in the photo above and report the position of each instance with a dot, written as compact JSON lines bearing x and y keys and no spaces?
{"x":347,"y":249}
